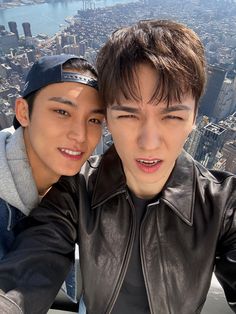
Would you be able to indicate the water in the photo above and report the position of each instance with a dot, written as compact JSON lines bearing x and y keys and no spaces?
{"x":47,"y":17}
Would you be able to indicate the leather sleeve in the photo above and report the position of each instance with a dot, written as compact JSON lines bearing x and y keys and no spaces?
{"x":226,"y":255}
{"x":33,"y":271}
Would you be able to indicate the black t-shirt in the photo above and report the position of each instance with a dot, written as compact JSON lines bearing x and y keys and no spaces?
{"x":132,"y":298}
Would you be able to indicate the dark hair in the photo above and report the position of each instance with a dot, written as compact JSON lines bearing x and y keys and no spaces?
{"x":81,"y":65}
{"x":172,"y":49}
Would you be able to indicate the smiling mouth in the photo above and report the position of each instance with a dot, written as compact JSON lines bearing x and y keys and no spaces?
{"x":70,"y":152}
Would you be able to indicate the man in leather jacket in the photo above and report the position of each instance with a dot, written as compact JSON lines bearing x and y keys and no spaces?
{"x":152,"y":224}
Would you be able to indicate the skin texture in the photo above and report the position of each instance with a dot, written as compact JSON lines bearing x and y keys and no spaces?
{"x":65,"y":121}
{"x":145,"y":130}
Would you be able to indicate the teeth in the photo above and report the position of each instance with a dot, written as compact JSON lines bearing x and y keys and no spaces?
{"x":71,"y":152}
{"x":149,"y":162}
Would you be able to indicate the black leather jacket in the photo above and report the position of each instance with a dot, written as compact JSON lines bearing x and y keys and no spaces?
{"x":185,"y":235}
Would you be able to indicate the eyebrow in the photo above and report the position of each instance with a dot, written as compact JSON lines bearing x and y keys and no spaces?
{"x":124,"y":108}
{"x":175,"y":108}
{"x":71,"y":103}
{"x":165,"y":110}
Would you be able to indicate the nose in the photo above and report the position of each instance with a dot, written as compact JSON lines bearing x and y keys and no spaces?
{"x":149,"y":137}
{"x":78,"y":132}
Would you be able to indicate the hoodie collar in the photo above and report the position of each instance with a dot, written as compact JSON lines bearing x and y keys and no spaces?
{"x":17,"y":186}
{"x":178,"y":192}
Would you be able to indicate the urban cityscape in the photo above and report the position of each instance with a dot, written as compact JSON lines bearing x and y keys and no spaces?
{"x":213,"y":141}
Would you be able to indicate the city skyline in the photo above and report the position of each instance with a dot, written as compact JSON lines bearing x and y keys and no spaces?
{"x":87,"y":30}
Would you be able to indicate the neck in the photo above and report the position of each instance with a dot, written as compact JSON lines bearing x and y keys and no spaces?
{"x":148,"y":189}
{"x":43,"y":181}
{"x":148,"y":192}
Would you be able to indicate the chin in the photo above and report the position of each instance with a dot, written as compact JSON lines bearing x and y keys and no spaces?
{"x":69,"y":172}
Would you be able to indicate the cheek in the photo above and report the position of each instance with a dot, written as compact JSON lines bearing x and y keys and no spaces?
{"x":94,"y":137}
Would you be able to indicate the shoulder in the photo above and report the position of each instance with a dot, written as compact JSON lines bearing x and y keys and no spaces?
{"x":217,"y":186}
{"x":186,"y":161}
{"x":10,"y":130}
{"x":208,"y":182}
{"x":216,"y":177}
{"x":5,"y":134}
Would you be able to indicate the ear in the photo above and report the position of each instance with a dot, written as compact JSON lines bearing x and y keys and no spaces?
{"x":22,"y":111}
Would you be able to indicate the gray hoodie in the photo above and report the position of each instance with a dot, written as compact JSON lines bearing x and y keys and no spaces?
{"x":17,"y":186}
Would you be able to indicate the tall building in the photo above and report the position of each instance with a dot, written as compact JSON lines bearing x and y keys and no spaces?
{"x":71,"y":49}
{"x":211,"y":141}
{"x":192,"y":143}
{"x":230,"y":124}
{"x":8,"y":41}
{"x":82,"y":48}
{"x":229,"y":154}
{"x":5,"y":70}
{"x":13,"y":28}
{"x":27,"y":30}
{"x":216,"y":76}
{"x":31,"y":55}
{"x":225,"y":102}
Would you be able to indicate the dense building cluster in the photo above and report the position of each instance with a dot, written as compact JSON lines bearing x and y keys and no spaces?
{"x":213,"y":142}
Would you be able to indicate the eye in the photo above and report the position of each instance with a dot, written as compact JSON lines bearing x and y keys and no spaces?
{"x":128,"y":116}
{"x":173,"y":117}
{"x":95,"y":121}
{"x":62,"y":112}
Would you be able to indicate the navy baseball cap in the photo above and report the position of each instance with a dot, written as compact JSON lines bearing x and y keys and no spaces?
{"x":48,"y":70}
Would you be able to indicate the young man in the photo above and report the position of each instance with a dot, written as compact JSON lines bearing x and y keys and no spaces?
{"x":58,"y":124}
{"x":155,"y":223}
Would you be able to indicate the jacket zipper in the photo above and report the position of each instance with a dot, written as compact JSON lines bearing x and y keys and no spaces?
{"x":126,"y":260}
{"x":142,"y":254}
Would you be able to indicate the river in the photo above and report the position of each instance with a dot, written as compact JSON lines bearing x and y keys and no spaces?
{"x":47,"y":18}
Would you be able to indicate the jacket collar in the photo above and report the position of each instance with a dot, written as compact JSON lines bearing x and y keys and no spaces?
{"x":178,"y":192}
{"x":110,"y":179}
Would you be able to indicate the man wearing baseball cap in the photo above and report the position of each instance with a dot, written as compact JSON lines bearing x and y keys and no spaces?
{"x":58,"y":124}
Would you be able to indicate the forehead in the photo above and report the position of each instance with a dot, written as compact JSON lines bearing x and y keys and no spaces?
{"x":186,"y":103}
{"x":147,"y":84}
{"x":70,"y":94}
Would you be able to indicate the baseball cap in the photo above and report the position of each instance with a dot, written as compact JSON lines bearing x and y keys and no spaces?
{"x":48,"y":70}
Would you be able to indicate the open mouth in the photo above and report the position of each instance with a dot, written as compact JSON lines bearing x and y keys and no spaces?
{"x":149,"y":163}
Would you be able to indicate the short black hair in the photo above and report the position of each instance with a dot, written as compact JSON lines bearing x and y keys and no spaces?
{"x":173,"y":50}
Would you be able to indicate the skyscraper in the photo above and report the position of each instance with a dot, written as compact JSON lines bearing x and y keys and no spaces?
{"x":229,"y":153}
{"x":13,"y":28}
{"x":27,"y":30}
{"x":207,"y":103}
{"x":211,"y":141}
